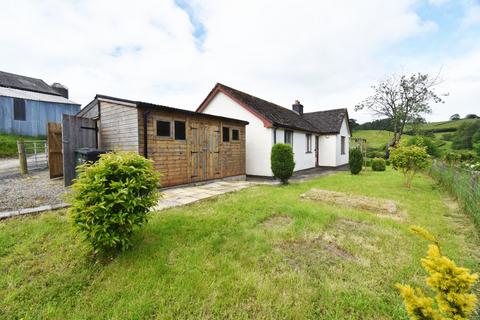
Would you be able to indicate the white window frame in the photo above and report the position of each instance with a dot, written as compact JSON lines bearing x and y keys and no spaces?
{"x":308,"y":141}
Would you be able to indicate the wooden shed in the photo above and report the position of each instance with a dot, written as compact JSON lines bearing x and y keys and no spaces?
{"x":186,"y":146}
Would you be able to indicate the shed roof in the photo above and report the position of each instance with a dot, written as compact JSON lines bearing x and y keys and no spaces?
{"x":141,"y":104}
{"x":16,"y":81}
{"x":329,"y":121}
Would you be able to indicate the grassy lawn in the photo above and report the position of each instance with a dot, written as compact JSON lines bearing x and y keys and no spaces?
{"x":259,"y":253}
{"x":8,"y":144}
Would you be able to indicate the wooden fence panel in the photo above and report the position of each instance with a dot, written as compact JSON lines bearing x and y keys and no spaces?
{"x":55,"y":157}
{"x":77,"y":133}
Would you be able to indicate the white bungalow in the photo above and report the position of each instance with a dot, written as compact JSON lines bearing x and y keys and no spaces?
{"x":319,"y":139}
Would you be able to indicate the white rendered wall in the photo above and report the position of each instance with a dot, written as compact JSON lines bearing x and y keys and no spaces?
{"x":342,"y":159}
{"x":327,"y":148}
{"x":303,"y":160}
{"x":258,"y":138}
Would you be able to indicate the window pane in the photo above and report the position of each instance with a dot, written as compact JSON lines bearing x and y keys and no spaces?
{"x":288,"y":137}
{"x":179,"y":130}
{"x":226,"y":134}
{"x":309,"y":142}
{"x":19,"y":112}
{"x":235,"y":134}
{"x":343,"y":145}
{"x":163,"y":128}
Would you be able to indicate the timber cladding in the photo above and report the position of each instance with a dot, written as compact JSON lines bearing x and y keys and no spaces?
{"x":192,"y":148}
{"x":185,"y":146}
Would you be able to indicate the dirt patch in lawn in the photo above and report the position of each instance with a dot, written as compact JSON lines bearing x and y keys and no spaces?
{"x":277,"y":221}
{"x":382,"y":207}
{"x":308,"y":253}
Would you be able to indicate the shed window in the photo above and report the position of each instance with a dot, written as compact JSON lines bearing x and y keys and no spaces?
{"x":179,"y":130}
{"x":225,"y":134}
{"x":19,"y":112}
{"x":342,"y":145}
{"x":163,"y":128}
{"x":289,"y":137}
{"x":308,"y":138}
{"x":235,"y":134}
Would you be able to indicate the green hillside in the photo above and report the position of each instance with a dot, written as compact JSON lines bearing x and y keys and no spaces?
{"x":376,"y":139}
{"x":442,"y":125}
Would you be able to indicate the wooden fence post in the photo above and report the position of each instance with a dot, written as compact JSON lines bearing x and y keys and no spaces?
{"x":22,"y":157}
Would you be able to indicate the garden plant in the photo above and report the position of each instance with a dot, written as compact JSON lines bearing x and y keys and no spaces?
{"x":111,"y":198}
{"x":409,"y":160}
{"x":452,"y":286}
{"x":379,"y":164}
{"x":355,"y":160}
{"x":282,"y":163}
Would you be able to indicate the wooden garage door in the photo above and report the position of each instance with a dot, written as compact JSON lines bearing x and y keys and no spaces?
{"x":204,"y":151}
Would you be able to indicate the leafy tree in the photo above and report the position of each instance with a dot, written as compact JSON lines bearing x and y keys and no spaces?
{"x":422,"y":141}
{"x":111,"y":198}
{"x":402,"y":99}
{"x":455,"y":116}
{"x":409,"y":160}
{"x":465,"y":133}
{"x":451,"y":285}
{"x":353,"y":123}
{"x":379,"y":124}
{"x":355,"y":160}
{"x":476,"y":142}
{"x":471,"y":116}
{"x":282,"y":163}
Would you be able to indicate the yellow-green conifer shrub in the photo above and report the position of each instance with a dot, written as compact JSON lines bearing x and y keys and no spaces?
{"x":452,"y":286}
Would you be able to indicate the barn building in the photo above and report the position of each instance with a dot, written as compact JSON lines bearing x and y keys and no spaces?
{"x":28,"y":104}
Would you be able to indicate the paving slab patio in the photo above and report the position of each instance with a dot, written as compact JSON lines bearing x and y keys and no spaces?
{"x":185,"y":195}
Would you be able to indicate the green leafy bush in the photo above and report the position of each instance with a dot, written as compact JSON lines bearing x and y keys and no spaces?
{"x":368,"y":163}
{"x":378,"y":164}
{"x":409,"y":160}
{"x":375,"y":154}
{"x":388,"y":162}
{"x":282,"y":163}
{"x":452,"y":157}
{"x":355,"y":160}
{"x":112,"y":197}
{"x":422,"y":141}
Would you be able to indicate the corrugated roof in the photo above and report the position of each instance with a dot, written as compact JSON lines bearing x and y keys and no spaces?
{"x":142,"y":104}
{"x":16,"y":81}
{"x":36,"y":96}
{"x":329,"y":121}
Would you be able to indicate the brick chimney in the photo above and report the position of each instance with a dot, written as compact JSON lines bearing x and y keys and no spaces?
{"x":297,"y":107}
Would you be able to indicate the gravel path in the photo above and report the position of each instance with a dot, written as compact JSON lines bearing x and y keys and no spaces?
{"x":33,"y":190}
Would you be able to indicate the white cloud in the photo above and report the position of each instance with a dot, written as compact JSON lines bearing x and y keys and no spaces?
{"x":324,"y":53}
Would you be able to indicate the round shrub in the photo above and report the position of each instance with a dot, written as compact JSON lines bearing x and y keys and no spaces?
{"x":282,"y":163}
{"x":378,"y":164}
{"x":112,"y":197}
{"x":355,"y":160}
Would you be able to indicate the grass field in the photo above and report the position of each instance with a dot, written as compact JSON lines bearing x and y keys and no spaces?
{"x":260,"y":253}
{"x":8,"y":144}
{"x":375,"y":138}
{"x":445,"y":124}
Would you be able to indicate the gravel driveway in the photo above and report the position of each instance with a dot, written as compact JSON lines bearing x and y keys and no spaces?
{"x":33,"y":190}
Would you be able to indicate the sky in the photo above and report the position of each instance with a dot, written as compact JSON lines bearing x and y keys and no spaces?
{"x":327,"y":54}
